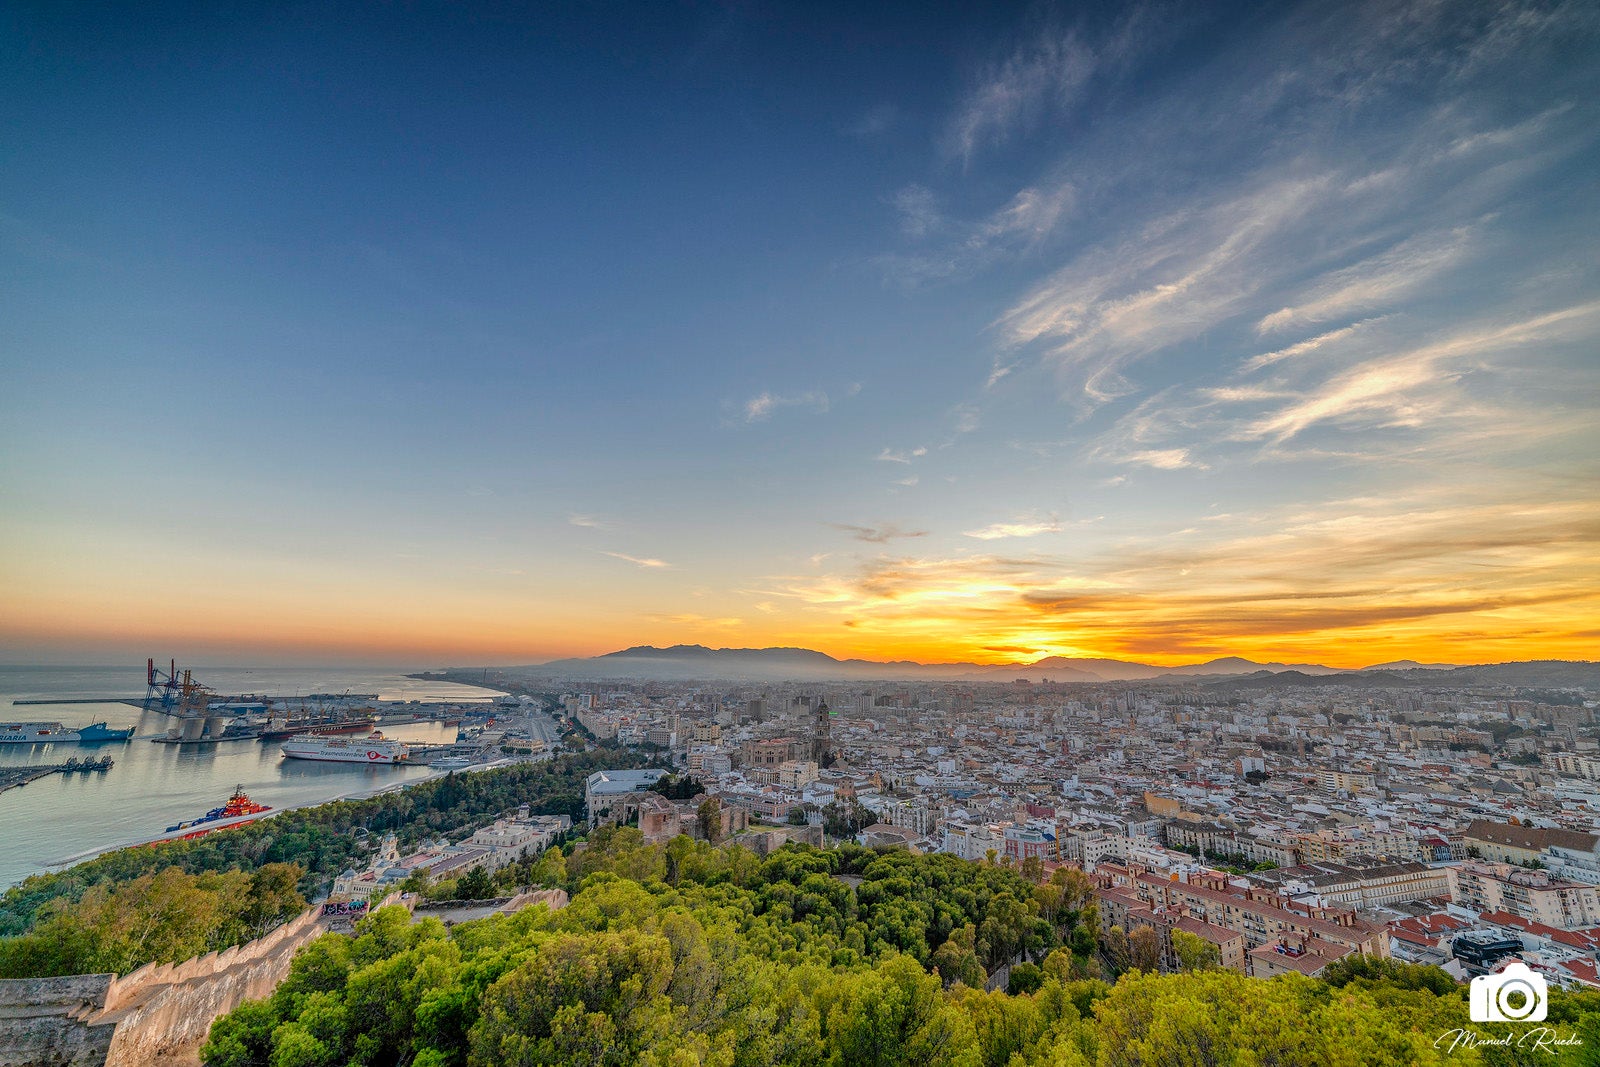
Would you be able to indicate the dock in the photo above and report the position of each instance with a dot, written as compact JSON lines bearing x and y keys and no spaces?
{"x":16,"y":777}
{"x":137,"y":702}
{"x":154,"y":704}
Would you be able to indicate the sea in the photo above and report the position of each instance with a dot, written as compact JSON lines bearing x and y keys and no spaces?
{"x":62,"y":818}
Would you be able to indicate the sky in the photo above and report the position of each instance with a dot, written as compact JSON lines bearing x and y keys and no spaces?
{"x":489,"y":333}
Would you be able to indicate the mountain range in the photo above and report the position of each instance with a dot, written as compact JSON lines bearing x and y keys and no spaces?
{"x":683,"y":662}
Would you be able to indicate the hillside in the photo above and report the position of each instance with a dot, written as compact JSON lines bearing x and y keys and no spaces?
{"x":683,"y":955}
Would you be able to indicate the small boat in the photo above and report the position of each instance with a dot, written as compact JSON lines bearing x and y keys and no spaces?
{"x":450,"y":763}
{"x":238,"y":805}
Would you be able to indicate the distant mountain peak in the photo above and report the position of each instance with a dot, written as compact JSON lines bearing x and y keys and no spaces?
{"x":1411,"y":665}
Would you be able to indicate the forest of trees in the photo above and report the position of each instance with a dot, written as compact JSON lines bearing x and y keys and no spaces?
{"x":173,"y":900}
{"x":684,"y":954}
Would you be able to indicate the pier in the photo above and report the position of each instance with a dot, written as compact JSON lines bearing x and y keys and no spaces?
{"x":15,"y":777}
{"x":137,"y":702}
{"x":155,"y":705}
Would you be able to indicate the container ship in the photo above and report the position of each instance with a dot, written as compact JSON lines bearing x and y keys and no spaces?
{"x":44,"y":733}
{"x":374,"y":749}
{"x":237,"y":806}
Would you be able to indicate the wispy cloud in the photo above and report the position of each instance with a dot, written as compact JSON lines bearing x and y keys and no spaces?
{"x":1376,"y":282}
{"x":918,"y":210}
{"x":590,"y":522}
{"x":1365,"y":199}
{"x":1166,"y":459}
{"x":1018,"y":528}
{"x":1182,"y":275}
{"x":873,"y":122}
{"x":889,"y":455}
{"x":1406,"y":387}
{"x":878,"y":534}
{"x":760,"y":407}
{"x":638,"y":561}
{"x":1306,"y":347}
{"x":945,"y":248}
{"x":692,"y":620}
{"x":1042,"y":74}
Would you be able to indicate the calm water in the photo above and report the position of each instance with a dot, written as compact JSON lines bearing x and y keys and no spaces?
{"x":62,"y":817}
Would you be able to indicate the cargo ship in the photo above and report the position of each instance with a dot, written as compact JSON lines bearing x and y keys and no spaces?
{"x":44,"y":733}
{"x":374,"y":749}
{"x":238,"y":805}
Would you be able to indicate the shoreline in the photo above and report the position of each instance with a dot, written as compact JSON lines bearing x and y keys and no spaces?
{"x":56,"y":866}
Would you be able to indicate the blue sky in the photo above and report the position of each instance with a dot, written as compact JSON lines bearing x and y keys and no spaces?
{"x":943,"y":331}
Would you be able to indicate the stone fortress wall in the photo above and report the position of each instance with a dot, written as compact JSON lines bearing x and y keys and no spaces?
{"x":147,"y":1017}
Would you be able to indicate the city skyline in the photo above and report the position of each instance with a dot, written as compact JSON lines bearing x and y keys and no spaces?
{"x":919,"y":333}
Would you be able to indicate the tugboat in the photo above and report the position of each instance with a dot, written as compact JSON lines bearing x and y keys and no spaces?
{"x":238,"y":805}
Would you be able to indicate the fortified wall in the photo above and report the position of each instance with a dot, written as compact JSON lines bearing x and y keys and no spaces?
{"x":161,"y":1013}
{"x":147,"y":1016}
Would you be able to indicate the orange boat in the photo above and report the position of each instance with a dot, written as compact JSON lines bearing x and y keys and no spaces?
{"x":238,"y":805}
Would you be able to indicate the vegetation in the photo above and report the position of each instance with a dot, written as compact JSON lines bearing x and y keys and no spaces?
{"x":846,"y":820}
{"x":674,"y":788}
{"x":155,"y":918}
{"x":685,"y":954}
{"x":1232,"y":862}
{"x":56,"y":911}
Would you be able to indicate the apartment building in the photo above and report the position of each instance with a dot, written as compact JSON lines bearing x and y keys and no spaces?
{"x":1264,"y":917}
{"x":1359,"y":881}
{"x":1532,"y":895}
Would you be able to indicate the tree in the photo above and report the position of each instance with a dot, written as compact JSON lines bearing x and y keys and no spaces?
{"x":675,"y":788}
{"x":797,"y":816}
{"x":708,"y":816}
{"x":1118,"y":950}
{"x":550,"y":871}
{"x":1025,"y":978}
{"x":957,"y":959}
{"x":475,"y":885}
{"x":846,"y":820}
{"x":1144,"y":949}
{"x":1194,"y":952}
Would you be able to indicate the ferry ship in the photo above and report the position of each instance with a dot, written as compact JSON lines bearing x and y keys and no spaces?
{"x":44,"y":733}
{"x":373,"y":749}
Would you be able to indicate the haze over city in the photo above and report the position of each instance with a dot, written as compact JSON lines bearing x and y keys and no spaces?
{"x":938,"y":332}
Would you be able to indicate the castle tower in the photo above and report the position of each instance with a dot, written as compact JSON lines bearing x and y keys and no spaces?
{"x":822,"y":737}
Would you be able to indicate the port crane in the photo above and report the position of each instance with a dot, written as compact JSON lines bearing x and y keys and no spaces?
{"x":164,"y":689}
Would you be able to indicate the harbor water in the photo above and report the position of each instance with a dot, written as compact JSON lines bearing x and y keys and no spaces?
{"x":64,"y":817}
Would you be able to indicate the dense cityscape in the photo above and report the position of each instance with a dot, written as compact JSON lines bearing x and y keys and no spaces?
{"x":1289,"y":826}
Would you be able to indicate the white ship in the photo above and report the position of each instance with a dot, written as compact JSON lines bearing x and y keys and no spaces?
{"x":334,"y":749}
{"x":28,"y":733}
